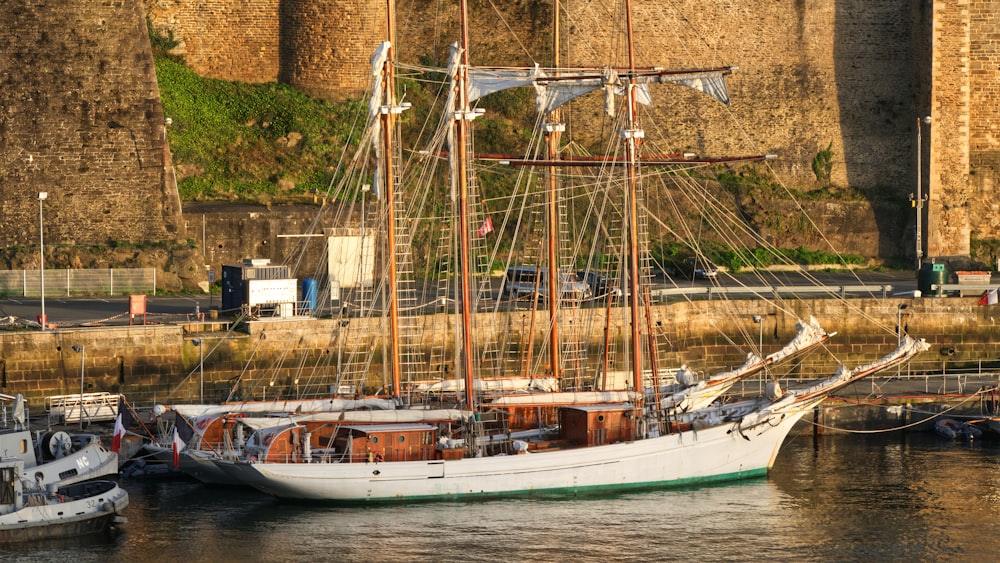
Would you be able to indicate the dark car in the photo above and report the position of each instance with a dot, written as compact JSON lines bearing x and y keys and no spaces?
{"x":693,"y":268}
{"x":522,"y":281}
{"x":601,"y":286}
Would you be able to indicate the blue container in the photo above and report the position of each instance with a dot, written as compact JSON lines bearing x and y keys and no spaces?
{"x":309,"y":287}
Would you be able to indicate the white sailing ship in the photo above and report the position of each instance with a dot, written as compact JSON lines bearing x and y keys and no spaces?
{"x":604,"y":439}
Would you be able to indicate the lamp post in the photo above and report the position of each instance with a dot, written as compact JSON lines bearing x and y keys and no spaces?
{"x":83,"y":357}
{"x":918,"y":201}
{"x":201,"y":369}
{"x":899,"y":322}
{"x":42,"y":196}
{"x":759,"y":320}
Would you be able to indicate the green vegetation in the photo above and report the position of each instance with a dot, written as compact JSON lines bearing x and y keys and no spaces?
{"x":985,"y":250}
{"x":246,"y":142}
{"x":822,"y":164}
{"x":238,"y":141}
{"x":750,"y":180}
{"x":737,"y":260}
{"x":264,"y":143}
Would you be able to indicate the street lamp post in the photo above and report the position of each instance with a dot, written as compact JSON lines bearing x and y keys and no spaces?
{"x":82,"y":350}
{"x":759,"y":320}
{"x":42,"y":196}
{"x":899,"y":322}
{"x":918,"y":201}
{"x":201,"y":369}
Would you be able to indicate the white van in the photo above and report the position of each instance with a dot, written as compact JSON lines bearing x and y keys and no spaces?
{"x":521,"y":282}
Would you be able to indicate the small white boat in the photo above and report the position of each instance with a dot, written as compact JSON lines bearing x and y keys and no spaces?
{"x":55,"y":458}
{"x":56,"y":512}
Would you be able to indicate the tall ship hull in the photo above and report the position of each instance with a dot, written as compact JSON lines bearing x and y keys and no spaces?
{"x":698,"y":456}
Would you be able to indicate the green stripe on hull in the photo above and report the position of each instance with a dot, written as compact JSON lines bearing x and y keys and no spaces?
{"x":691,"y":482}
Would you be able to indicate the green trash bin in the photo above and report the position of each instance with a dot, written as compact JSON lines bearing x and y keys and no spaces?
{"x":932,"y":274}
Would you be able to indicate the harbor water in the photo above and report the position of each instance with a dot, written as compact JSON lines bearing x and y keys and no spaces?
{"x":862,"y":497}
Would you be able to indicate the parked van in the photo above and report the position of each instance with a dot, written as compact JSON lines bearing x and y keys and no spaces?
{"x":521,"y":281}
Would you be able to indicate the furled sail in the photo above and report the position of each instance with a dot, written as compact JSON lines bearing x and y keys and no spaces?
{"x":378,"y":60}
{"x":552,"y":91}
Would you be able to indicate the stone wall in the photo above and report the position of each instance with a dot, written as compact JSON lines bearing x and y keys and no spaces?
{"x":840,"y":75}
{"x":984,"y":119}
{"x":228,"y":233}
{"x":82,"y":121}
{"x":225,"y":39}
{"x":287,"y":358}
{"x":948,"y":227}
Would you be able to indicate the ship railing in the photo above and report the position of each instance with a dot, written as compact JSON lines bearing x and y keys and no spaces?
{"x":92,"y":407}
{"x":945,"y":376}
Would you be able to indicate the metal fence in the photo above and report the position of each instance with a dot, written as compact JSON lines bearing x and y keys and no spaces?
{"x":922,"y":376}
{"x":60,"y":283}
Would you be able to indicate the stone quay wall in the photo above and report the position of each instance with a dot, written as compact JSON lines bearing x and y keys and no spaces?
{"x":288,"y":358}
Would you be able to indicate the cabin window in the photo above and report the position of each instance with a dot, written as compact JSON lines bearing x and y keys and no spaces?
{"x":24,"y":446}
{"x":401,"y":438}
{"x":600,"y":418}
{"x":374,"y":439}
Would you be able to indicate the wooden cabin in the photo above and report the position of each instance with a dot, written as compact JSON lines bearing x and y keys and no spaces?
{"x":596,"y":425}
{"x":386,"y":442}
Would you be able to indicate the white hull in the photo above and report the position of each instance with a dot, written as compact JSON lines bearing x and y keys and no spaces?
{"x":719,"y":453}
{"x":49,"y":518}
{"x":91,"y":462}
{"x":86,"y":459}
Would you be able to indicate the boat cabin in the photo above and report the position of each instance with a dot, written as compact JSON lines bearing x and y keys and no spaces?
{"x":596,"y":425}
{"x":385,"y":442}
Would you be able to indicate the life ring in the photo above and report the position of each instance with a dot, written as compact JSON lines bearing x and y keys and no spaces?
{"x":378,"y":458}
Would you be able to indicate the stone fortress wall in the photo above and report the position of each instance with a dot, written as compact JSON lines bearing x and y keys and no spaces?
{"x":82,"y":120}
{"x":848,"y":75}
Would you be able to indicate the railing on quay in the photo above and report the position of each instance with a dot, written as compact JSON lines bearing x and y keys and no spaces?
{"x":960,"y":289}
{"x":69,"y":282}
{"x":710,"y":291}
{"x":927,"y":377}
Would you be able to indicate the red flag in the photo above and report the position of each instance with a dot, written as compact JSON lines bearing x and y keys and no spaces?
{"x":183,"y":432}
{"x":178,"y":445}
{"x":486,"y":228}
{"x":985,"y":299}
{"x":116,"y":440}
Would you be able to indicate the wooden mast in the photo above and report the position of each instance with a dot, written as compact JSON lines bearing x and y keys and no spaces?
{"x":553,"y":131}
{"x":463,"y":116}
{"x":631,"y":134}
{"x":387,"y":116}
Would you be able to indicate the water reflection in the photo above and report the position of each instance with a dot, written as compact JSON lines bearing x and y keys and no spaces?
{"x":896,"y":497}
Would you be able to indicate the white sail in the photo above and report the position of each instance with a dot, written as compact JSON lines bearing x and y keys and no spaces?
{"x":554,"y":91}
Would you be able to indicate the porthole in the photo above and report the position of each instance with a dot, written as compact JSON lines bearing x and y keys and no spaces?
{"x":401,"y":439}
{"x":374,"y":439}
{"x":600,"y":418}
